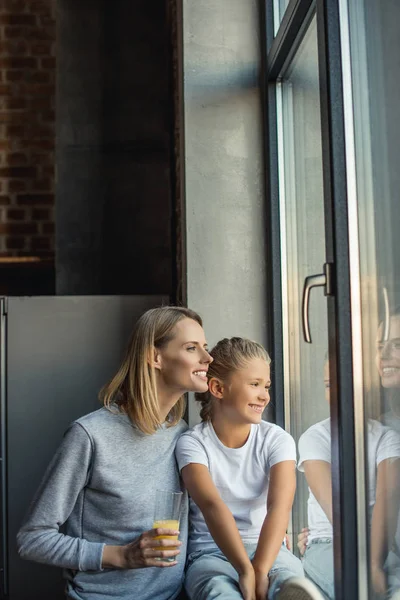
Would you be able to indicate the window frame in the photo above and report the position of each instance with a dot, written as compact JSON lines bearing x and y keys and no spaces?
{"x":347,"y":416}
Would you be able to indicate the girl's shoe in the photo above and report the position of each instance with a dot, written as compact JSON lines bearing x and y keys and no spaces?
{"x":299,"y":588}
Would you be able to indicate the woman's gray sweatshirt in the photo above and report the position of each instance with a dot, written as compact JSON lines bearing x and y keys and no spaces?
{"x":102,"y":485}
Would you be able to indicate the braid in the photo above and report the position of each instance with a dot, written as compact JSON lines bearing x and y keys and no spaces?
{"x":206,"y":401}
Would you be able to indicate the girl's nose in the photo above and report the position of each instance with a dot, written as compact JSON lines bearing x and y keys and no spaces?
{"x":386,"y":350}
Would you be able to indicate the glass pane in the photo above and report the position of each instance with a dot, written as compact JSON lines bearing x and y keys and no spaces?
{"x":375,"y":51}
{"x":279,"y":10}
{"x":303,"y":254}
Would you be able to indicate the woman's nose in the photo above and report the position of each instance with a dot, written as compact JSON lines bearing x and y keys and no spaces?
{"x":207,"y":357}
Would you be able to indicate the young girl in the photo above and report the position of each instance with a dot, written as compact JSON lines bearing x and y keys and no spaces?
{"x":240,"y":474}
{"x":383,"y":464}
{"x":102,"y":482}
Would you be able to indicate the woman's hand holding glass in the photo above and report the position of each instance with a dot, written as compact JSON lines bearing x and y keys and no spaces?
{"x":145,"y":551}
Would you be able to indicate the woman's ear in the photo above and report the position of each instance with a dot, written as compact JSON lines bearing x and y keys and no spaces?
{"x":216,"y":387}
{"x":154,"y":358}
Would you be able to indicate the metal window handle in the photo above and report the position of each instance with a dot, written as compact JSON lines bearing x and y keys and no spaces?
{"x":320,"y":280}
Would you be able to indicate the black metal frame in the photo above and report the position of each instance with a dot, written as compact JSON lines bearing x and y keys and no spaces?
{"x":272,"y":239}
{"x":339,"y":307}
{"x":281,"y":49}
{"x":178,"y":221}
{"x":287,"y":38}
{"x":3,"y":453}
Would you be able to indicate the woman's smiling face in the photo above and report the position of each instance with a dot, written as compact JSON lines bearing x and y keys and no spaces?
{"x":182,"y":363}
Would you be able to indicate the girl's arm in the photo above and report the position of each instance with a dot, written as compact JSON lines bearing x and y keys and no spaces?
{"x":384,"y":518}
{"x":217,"y":515}
{"x":282,"y":486}
{"x":318,"y":475}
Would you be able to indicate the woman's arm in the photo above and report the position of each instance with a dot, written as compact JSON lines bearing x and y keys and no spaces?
{"x":318,"y":475}
{"x":282,"y":487}
{"x":218,"y":517}
{"x":39,"y":538}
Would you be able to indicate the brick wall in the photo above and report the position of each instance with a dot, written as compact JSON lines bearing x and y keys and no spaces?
{"x":27,"y":127}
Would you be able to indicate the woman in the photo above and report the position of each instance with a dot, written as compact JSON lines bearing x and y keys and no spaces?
{"x":101,"y":484}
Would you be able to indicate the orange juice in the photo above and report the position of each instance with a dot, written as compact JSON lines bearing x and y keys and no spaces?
{"x":167,"y":524}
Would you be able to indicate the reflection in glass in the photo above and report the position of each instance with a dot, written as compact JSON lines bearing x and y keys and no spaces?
{"x":383,"y":464}
{"x":303,"y":254}
{"x":375,"y":51}
{"x":315,"y":462}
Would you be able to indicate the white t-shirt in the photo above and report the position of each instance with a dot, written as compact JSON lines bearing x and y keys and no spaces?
{"x":315,"y":444}
{"x":241,"y":475}
{"x":391,"y":420}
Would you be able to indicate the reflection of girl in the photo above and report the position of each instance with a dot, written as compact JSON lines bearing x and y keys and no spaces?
{"x":388,"y":364}
{"x":240,"y":474}
{"x":102,"y":481}
{"x":383,"y":478}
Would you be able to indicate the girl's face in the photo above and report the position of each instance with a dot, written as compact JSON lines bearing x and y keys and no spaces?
{"x":245,"y":394}
{"x":388,"y":355}
{"x":182,"y":364}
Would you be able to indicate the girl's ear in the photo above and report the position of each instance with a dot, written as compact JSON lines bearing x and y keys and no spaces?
{"x":154,"y":358}
{"x":216,"y":387}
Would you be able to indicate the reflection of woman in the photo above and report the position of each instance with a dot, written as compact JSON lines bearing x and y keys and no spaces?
{"x":102,"y":481}
{"x":383,"y":478}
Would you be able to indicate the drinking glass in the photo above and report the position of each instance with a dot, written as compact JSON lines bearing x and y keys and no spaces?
{"x":168,"y":506}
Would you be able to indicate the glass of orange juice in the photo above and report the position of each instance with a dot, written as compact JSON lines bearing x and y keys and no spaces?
{"x":168,"y":506}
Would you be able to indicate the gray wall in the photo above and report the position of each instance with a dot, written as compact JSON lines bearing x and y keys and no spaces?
{"x":114,"y":136}
{"x":225,"y":222}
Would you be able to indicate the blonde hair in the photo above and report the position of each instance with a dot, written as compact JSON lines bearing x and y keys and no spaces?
{"x":229,"y":355}
{"x":133,"y":388}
